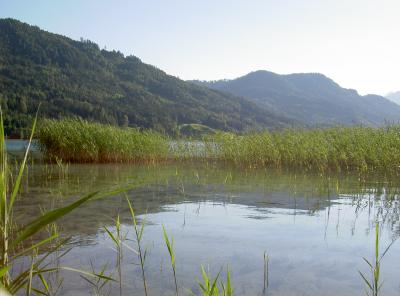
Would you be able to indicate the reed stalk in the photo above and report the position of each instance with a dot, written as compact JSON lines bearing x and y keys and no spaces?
{"x":142,"y":254}
{"x":374,"y":284}
{"x":170,"y":246}
{"x":18,"y":241}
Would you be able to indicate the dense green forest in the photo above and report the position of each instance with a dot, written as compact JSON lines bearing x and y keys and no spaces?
{"x":76,"y":78}
{"x":311,"y":98}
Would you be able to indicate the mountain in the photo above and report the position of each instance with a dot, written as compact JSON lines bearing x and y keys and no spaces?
{"x":311,"y":98}
{"x":76,"y":78}
{"x":394,"y":97}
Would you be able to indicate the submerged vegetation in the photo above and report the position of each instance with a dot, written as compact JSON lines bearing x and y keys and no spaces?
{"x":339,"y":148}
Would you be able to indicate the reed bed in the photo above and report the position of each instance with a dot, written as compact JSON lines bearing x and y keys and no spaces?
{"x":356,"y":147}
{"x":77,"y":140}
{"x":339,"y":148}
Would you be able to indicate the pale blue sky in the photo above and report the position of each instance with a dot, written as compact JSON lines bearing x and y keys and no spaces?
{"x":355,"y":42}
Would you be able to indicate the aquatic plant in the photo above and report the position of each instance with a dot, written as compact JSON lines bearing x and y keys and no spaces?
{"x":142,"y":254}
{"x":227,"y":287}
{"x":170,"y":246}
{"x":118,"y":240}
{"x":339,"y":148}
{"x":209,"y":285}
{"x":374,"y":284}
{"x":77,"y":140}
{"x":16,"y":240}
{"x":266,"y":272}
{"x":98,"y":284}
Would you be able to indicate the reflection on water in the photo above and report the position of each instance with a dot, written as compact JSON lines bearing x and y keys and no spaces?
{"x":316,"y":229}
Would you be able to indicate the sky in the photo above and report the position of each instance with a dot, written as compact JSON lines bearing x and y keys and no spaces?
{"x":354,"y":42}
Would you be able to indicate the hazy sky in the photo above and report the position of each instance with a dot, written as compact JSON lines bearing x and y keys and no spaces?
{"x":355,"y":42}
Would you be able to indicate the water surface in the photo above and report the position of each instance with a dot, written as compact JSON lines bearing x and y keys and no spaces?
{"x":315,"y":229}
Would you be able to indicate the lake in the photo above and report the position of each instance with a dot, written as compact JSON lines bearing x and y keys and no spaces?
{"x":16,"y":145}
{"x":315,"y":229}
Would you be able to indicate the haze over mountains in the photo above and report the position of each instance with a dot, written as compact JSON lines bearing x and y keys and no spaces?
{"x":394,"y":97}
{"x":77,"y":78}
{"x":311,"y":98}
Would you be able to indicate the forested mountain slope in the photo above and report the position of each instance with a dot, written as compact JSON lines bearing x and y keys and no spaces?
{"x":311,"y":98}
{"x":77,"y":78}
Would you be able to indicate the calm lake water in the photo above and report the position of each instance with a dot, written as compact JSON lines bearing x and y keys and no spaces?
{"x":315,"y":229}
{"x":16,"y":145}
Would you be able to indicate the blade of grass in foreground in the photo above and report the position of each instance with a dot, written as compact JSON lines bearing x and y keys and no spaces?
{"x":209,"y":286}
{"x":139,"y":234}
{"x":8,"y":245}
{"x":118,"y":241}
{"x":170,"y":247}
{"x":227,"y":287}
{"x":22,"y":167}
{"x":38,"y":224}
{"x":374,"y":284}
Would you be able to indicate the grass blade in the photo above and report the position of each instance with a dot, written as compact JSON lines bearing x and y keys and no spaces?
{"x":38,"y":224}
{"x":22,"y":167}
{"x":87,"y":273}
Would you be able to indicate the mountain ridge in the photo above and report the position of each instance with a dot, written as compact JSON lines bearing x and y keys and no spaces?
{"x":311,"y":98}
{"x":73,"y":78}
{"x":77,"y":78}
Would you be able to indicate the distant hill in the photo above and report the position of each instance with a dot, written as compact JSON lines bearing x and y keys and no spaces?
{"x":394,"y":97}
{"x":76,"y":78}
{"x":311,"y":98}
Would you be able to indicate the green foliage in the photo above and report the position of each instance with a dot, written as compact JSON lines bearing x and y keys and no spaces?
{"x":142,"y":254}
{"x":98,"y":283}
{"x":340,"y":148}
{"x":16,"y":240}
{"x":209,"y":285}
{"x":118,"y":240}
{"x":170,"y":246}
{"x":76,"y":78}
{"x":374,"y":284}
{"x":77,"y":140}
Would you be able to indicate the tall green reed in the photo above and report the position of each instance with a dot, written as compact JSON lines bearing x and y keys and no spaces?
{"x":77,"y":140}
{"x":16,"y":241}
{"x":142,"y":254}
{"x":338,"y":148}
{"x":118,"y":240}
{"x":98,"y":284}
{"x":170,"y":246}
{"x":374,"y":284}
{"x":209,"y":285}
